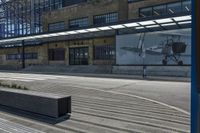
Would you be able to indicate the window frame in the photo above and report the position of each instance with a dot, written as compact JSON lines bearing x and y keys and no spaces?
{"x":100,"y":15}
{"x":71,"y":27}
{"x":60,"y":29}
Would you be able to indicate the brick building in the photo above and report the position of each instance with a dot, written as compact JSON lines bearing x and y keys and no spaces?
{"x":97,"y":48}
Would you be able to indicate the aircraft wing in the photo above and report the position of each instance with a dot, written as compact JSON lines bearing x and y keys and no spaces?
{"x":153,"y":52}
{"x":132,"y":49}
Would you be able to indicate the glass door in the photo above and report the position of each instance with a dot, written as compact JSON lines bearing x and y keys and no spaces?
{"x":78,"y":56}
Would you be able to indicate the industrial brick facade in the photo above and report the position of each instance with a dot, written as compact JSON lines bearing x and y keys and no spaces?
{"x":126,"y":11}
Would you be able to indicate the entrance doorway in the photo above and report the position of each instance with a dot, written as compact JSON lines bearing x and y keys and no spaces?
{"x":78,"y":56}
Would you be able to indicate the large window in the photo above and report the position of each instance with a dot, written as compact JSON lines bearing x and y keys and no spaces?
{"x":186,"y":6}
{"x":78,"y":56}
{"x":56,"y":26}
{"x":168,"y":8}
{"x":159,"y":10}
{"x":26,"y":17}
{"x":71,"y":2}
{"x":57,"y":54}
{"x":106,"y":18}
{"x":29,"y":56}
{"x":78,"y":23}
{"x":174,"y":8}
{"x":105,"y":52}
{"x":130,"y":1}
{"x":145,"y":12}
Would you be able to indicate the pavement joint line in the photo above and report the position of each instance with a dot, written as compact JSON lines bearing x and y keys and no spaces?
{"x":30,"y":121}
{"x":115,"y":76}
{"x":147,"y":99}
{"x":147,"y":124}
{"x":22,"y":127}
{"x":1,"y":129}
{"x":154,"y":101}
{"x":139,"y":116}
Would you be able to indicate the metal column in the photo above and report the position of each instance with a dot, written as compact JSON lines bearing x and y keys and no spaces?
{"x":23,"y":55}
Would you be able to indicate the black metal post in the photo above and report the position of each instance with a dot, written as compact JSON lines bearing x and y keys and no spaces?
{"x":23,"y":55}
{"x":144,"y":72}
{"x":195,"y":98}
{"x":197,"y":30}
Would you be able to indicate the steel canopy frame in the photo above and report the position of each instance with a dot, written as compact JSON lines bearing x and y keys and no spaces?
{"x":147,"y":24}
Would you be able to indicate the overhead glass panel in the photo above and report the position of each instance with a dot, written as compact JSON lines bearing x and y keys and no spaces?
{"x":147,"y":22}
{"x":182,"y":18}
{"x":93,"y":29}
{"x":167,"y":20}
{"x":105,"y":28}
{"x":117,"y":26}
{"x":131,"y":24}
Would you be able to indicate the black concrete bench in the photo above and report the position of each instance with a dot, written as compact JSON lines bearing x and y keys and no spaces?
{"x":44,"y":104}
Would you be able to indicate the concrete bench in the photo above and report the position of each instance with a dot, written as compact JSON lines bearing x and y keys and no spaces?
{"x":45,"y":104}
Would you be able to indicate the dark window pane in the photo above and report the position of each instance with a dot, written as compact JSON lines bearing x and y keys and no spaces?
{"x":105,"y":52}
{"x":167,"y":8}
{"x":105,"y":18}
{"x":159,"y":10}
{"x":79,"y":56}
{"x":133,"y":1}
{"x":174,"y":8}
{"x":28,"y":56}
{"x":56,"y":54}
{"x":146,"y":12}
{"x":186,"y":7}
{"x":71,"y":2}
{"x":78,"y":23}
{"x":56,"y":26}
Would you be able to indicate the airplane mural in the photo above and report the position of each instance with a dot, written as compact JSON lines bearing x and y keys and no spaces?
{"x":170,"y":48}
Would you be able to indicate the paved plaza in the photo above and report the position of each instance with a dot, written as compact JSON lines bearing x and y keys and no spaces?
{"x":106,"y":105}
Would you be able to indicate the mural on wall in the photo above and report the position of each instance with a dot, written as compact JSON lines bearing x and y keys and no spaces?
{"x":163,"y":48}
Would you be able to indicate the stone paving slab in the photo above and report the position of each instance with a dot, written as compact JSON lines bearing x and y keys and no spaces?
{"x":111,"y":105}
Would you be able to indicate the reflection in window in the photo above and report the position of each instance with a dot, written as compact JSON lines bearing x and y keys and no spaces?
{"x":167,"y":8}
{"x":56,"y":26}
{"x":159,"y":10}
{"x":186,"y":7}
{"x":145,"y":12}
{"x":106,"y":18}
{"x":78,"y":23}
{"x":29,"y":56}
{"x":174,"y":8}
